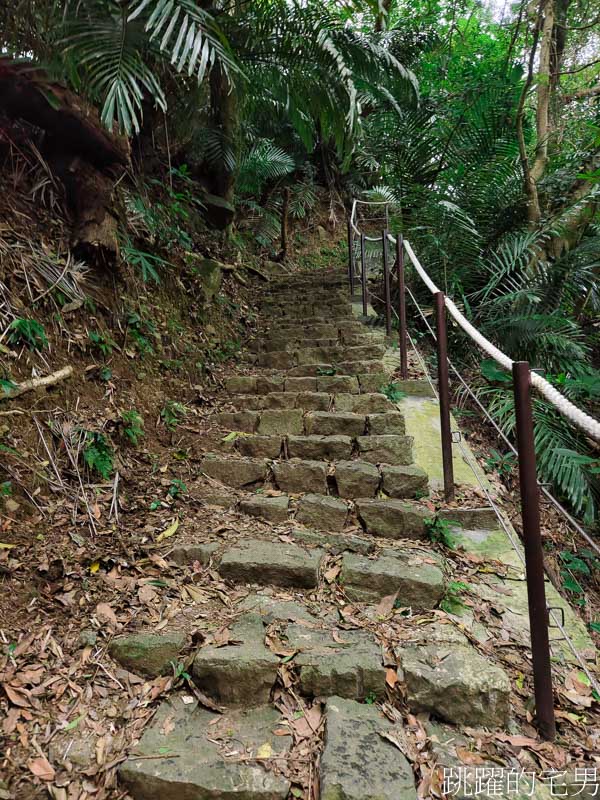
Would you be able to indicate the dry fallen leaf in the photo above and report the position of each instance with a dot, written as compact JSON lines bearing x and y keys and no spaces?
{"x":41,"y":768}
{"x":105,"y":614}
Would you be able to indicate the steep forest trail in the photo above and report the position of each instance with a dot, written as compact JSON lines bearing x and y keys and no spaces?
{"x":373,"y":638}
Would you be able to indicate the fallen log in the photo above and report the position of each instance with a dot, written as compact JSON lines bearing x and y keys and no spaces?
{"x":37,"y":383}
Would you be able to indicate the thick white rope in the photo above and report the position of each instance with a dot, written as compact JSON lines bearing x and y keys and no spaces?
{"x":587,"y":423}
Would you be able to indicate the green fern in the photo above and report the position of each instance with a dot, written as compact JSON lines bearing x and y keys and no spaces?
{"x":98,"y":454}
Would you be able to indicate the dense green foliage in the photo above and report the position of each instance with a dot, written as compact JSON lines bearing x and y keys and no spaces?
{"x":482,"y":132}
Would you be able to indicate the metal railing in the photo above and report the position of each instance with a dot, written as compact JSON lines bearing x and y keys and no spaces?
{"x":524,"y":379}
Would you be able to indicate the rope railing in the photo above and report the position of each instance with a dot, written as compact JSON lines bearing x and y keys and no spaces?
{"x":524,"y":379}
{"x":587,"y":423}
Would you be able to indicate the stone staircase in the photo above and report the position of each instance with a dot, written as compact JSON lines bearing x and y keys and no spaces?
{"x":322,"y":457}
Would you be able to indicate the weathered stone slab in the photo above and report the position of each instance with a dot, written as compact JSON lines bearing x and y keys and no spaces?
{"x":419,"y":584}
{"x":193,"y":767}
{"x":373,"y":381}
{"x":328,"y":448}
{"x":241,"y":384}
{"x":352,"y":669}
{"x":238,"y":674}
{"x":147,"y":653}
{"x":305,"y":384}
{"x":415,"y":388}
{"x":471,"y":518}
{"x":392,"y":519}
{"x":284,"y":421}
{"x":329,"y":423}
{"x":313,"y":401}
{"x":273,"y":509}
{"x":386,"y":449}
{"x":188,"y":553}
{"x":269,"y":383}
{"x":298,"y":476}
{"x":337,"y":384}
{"x":360,"y":367}
{"x":389,"y":422}
{"x":277,"y":360}
{"x":322,"y":512}
{"x":457,"y":684}
{"x":309,"y":370}
{"x":405,"y":481}
{"x":335,"y":542}
{"x":356,"y":479}
{"x":278,"y":563}
{"x":270,"y":609}
{"x":256,"y":446}
{"x":238,"y":420}
{"x":363,"y":403}
{"x":358,"y":763}
{"x":236,"y":472}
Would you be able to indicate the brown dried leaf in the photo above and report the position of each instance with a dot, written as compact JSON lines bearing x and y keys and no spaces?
{"x":42,"y":768}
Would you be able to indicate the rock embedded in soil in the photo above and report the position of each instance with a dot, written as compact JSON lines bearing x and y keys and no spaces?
{"x":392,"y":519}
{"x":456,"y":684}
{"x":237,"y":472}
{"x":147,"y":653}
{"x":192,"y":744}
{"x":356,"y":479}
{"x":386,"y":449}
{"x":241,"y":673}
{"x":358,"y":763}
{"x":297,"y":476}
{"x":349,"y":667}
{"x":272,"y":509}
{"x":281,"y":421}
{"x":322,"y":512}
{"x":404,"y":481}
{"x":188,"y":553}
{"x":419,"y":585}
{"x":277,"y":563}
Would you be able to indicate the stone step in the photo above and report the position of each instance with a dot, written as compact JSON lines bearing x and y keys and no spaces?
{"x":362,"y":358}
{"x":326,"y":448}
{"x":417,"y":578}
{"x":271,"y":563}
{"x":372,"y":403}
{"x":353,"y":368}
{"x":329,"y":423}
{"x":331,"y":662}
{"x":192,"y":764}
{"x":278,"y":343}
{"x":296,"y":476}
{"x":240,"y":473}
{"x":392,"y":519}
{"x":295,"y":310}
{"x":322,"y":512}
{"x":243,"y":673}
{"x":392,"y":449}
{"x":360,"y":761}
{"x":308,"y":401}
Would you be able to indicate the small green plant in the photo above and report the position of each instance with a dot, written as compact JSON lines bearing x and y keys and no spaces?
{"x":595,"y":626}
{"x":176,"y":488}
{"x":146,"y":263}
{"x":577,"y":564}
{"x":179,"y":671}
{"x":439,"y":531}
{"x":6,"y":385}
{"x":392,"y":392}
{"x":98,"y":454}
{"x":502,"y":463}
{"x":6,"y":489}
{"x":102,"y":342}
{"x":172,"y":414}
{"x":326,"y":371}
{"x":105,"y":374}
{"x":28,"y":332}
{"x":371,"y":699}
{"x":133,"y":425}
{"x":452,"y":602}
{"x":139,"y":330}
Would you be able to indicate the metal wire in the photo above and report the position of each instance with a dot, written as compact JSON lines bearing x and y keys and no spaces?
{"x":568,"y":409}
{"x":468,"y":458}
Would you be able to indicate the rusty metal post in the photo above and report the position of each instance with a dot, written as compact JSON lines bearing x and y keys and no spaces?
{"x":444,"y":394}
{"x":402,"y":337}
{"x":534,"y":559}
{"x":351,"y":256}
{"x":386,"y":284}
{"x":363,"y":272}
